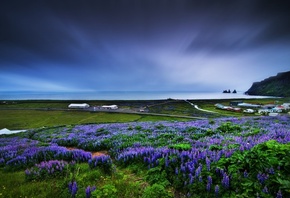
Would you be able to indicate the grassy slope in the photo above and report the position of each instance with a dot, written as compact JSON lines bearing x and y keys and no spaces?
{"x":28,"y":119}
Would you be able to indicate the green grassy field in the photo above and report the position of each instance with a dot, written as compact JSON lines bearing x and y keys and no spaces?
{"x":29,"y":119}
{"x":19,"y":114}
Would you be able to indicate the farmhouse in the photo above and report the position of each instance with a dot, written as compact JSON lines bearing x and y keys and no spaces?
{"x":249,"y":111}
{"x":110,"y":107}
{"x":79,"y":106}
{"x":249,"y":105}
{"x":220,"y":106}
{"x":286,"y":105}
{"x":262,"y":111}
{"x":278,"y":109}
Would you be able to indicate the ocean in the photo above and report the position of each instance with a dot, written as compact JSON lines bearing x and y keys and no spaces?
{"x":121,"y":95}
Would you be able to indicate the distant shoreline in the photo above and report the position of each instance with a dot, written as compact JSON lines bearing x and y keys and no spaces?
{"x":111,"y":96}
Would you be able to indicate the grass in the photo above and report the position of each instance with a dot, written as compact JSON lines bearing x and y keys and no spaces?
{"x":29,"y":119}
{"x":127,"y":184}
{"x":13,"y":184}
{"x":180,"y":108}
{"x":26,"y":118}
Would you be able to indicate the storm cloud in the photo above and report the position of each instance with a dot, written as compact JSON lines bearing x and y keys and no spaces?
{"x":142,"y":45}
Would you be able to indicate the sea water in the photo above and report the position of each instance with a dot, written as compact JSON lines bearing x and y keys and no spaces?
{"x":121,"y":95}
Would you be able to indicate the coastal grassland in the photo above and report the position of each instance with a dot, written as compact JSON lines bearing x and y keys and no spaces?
{"x":29,"y":119}
{"x":29,"y":114}
{"x":180,"y":107}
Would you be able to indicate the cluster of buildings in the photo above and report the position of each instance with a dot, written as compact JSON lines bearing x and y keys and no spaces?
{"x":269,"y":109}
{"x":86,"y":106}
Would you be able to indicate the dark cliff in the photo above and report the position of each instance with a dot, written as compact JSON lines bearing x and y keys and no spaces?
{"x":278,"y":85}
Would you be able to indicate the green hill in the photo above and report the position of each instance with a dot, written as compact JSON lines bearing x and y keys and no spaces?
{"x":278,"y":85}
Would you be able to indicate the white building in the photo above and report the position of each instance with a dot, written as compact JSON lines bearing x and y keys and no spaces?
{"x":261,"y":111}
{"x":110,"y":107}
{"x":286,"y":105}
{"x":79,"y":106}
{"x":278,"y":109}
{"x":249,"y":111}
{"x":248,"y":105}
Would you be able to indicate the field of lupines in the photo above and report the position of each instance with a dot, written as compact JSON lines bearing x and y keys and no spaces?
{"x":228,"y":157}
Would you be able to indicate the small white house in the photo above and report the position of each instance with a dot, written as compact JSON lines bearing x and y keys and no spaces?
{"x":262,"y":111}
{"x":278,"y":109}
{"x":249,"y":111}
{"x":219,"y":106}
{"x":248,"y":105}
{"x":110,"y":107}
{"x":79,"y":106}
{"x":286,"y":105}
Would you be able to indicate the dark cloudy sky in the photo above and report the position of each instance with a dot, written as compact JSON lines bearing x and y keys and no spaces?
{"x":141,"y":45}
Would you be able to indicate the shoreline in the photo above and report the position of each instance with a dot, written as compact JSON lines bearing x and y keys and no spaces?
{"x":156,"y":99}
{"x":125,"y":96}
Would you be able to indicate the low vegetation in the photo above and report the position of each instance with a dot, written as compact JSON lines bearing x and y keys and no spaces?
{"x":36,"y":114}
{"x":29,"y":119}
{"x":224,"y":157}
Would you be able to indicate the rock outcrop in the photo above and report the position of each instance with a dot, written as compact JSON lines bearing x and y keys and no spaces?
{"x":278,"y":85}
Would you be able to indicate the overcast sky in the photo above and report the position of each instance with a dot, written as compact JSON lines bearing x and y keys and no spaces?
{"x":142,"y":45}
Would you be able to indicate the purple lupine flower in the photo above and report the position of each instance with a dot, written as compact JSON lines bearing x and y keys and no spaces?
{"x":166,"y":162}
{"x":208,"y":187}
{"x":176,"y":171}
{"x":198,"y":171}
{"x":216,"y":190}
{"x":265,"y":190}
{"x":222,"y":172}
{"x":271,"y":171}
{"x":207,"y":160}
{"x":182,"y":168}
{"x":191,"y":178}
{"x":279,"y":194}
{"x":262,"y":177}
{"x":242,"y":148}
{"x":89,"y":191}
{"x":73,"y":188}
{"x":200,"y":178}
{"x":217,"y":170}
{"x":246,"y":174}
{"x":226,"y":181}
{"x":209,"y":183}
{"x":27,"y":172}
